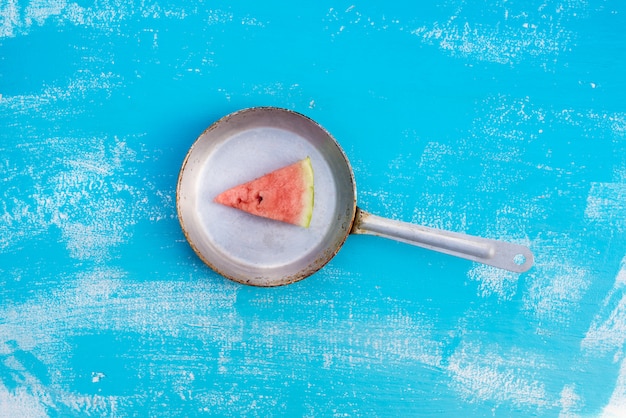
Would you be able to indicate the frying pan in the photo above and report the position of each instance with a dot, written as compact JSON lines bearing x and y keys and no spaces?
{"x":262,"y":252}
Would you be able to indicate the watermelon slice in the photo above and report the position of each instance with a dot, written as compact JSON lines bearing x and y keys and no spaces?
{"x":284,"y":195}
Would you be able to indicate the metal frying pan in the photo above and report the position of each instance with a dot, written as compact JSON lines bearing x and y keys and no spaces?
{"x":262,"y":252}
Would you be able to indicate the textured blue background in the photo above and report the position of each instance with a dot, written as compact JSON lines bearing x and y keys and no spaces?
{"x":503,"y":119}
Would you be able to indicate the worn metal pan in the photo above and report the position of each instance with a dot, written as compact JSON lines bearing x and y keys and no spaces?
{"x":261,"y":252}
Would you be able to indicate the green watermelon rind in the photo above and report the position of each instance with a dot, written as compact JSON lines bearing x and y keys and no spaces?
{"x":308,"y":199}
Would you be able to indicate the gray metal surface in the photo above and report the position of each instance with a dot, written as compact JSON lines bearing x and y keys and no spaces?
{"x":247,"y":248}
{"x":504,"y":255}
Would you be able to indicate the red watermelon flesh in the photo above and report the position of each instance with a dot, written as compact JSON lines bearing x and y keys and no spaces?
{"x":284,"y":195}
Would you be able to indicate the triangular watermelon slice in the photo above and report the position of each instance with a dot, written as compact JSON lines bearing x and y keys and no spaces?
{"x":284,"y":195}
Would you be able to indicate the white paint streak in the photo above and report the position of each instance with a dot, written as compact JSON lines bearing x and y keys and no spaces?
{"x":556,"y":286}
{"x":493,"y":281}
{"x":617,"y":403}
{"x":106,"y":15}
{"x":9,"y":18}
{"x":89,"y":202}
{"x":607,"y":333}
{"x":20,"y":403}
{"x":488,"y":373}
{"x":571,"y":403}
{"x":102,"y":301}
{"x":500,"y":131}
{"x":106,"y":300}
{"x":38,"y":11}
{"x":503,"y":45}
{"x":33,"y":400}
{"x":55,"y":102}
{"x":606,"y":205}
{"x":84,"y":193}
{"x":520,"y":37}
{"x":16,"y":20}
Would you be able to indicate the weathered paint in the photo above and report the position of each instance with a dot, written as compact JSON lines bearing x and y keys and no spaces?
{"x":503,"y":120}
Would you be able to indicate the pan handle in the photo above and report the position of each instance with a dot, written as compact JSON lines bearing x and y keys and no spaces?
{"x":504,"y":255}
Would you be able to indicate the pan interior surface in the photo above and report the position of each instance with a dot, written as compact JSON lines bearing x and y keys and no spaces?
{"x":248,"y":248}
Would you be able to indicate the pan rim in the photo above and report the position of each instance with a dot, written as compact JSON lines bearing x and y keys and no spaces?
{"x":328,"y":252}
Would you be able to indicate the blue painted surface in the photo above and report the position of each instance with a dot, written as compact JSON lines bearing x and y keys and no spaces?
{"x":503,"y":119}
